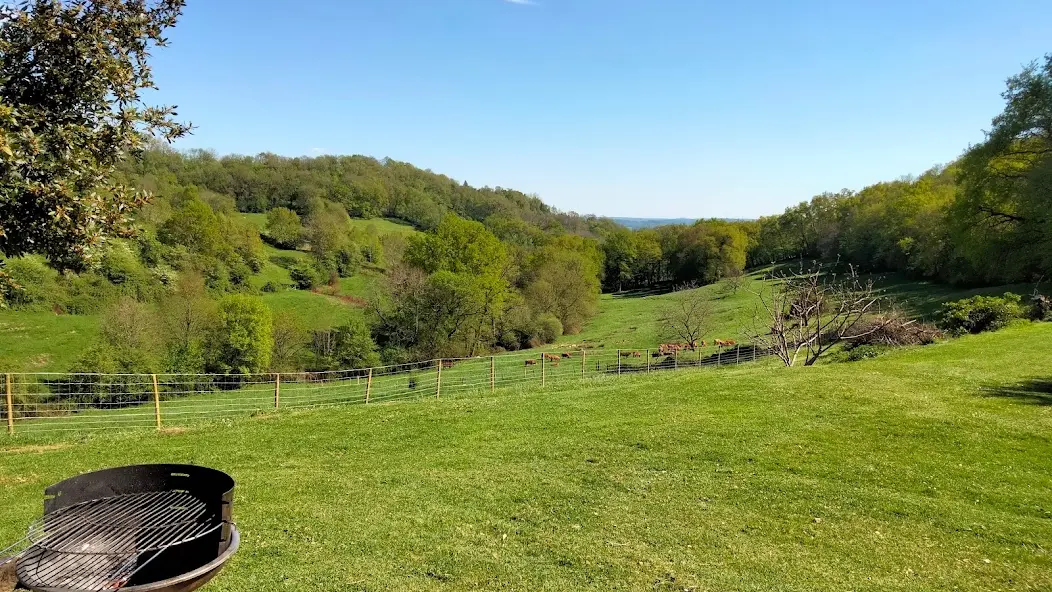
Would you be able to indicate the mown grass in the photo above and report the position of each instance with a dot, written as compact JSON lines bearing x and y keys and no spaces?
{"x":924,"y":469}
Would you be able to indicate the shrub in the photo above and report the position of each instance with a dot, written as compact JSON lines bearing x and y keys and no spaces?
{"x":864,"y":352}
{"x":305,"y":275}
{"x":88,"y":293}
{"x":1040,"y":308}
{"x":272,"y":286}
{"x":284,"y":228}
{"x":548,"y":328}
{"x":32,"y":283}
{"x":981,"y":313}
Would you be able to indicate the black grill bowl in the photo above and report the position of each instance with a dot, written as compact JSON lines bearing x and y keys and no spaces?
{"x":182,"y":566}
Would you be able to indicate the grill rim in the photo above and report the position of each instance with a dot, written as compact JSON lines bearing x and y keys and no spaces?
{"x":178,"y":571}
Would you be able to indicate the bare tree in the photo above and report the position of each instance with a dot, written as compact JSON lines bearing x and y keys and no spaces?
{"x":811,"y":311}
{"x":686,"y":314}
{"x":733,"y":281}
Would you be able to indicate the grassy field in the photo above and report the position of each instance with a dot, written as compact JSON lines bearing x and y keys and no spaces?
{"x":382,"y":225}
{"x":630,"y":319}
{"x":924,"y":469}
{"x":43,"y":341}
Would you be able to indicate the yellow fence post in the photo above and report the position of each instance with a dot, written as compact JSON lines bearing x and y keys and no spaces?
{"x":277,"y":390}
{"x":754,"y":352}
{"x":619,"y":362}
{"x":675,"y":359}
{"x":737,"y":355}
{"x":648,"y":360}
{"x":156,"y":401}
{"x":542,"y":369}
{"x":10,"y":406}
{"x":368,"y":385}
{"x":492,"y":373}
{"x":438,"y":379}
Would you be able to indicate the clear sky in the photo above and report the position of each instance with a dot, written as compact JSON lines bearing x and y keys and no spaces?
{"x":653,"y":108}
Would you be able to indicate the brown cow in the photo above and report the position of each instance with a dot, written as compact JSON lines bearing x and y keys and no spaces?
{"x":636,"y":354}
{"x":531,"y":362}
{"x":448,"y":363}
{"x":551,"y":357}
{"x":566,"y":354}
{"x":729,"y":342}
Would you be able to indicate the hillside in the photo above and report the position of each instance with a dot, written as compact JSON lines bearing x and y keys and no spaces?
{"x":886,"y":474}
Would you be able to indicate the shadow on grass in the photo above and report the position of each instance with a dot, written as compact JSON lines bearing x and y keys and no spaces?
{"x":643,"y":292}
{"x":1037,"y":391}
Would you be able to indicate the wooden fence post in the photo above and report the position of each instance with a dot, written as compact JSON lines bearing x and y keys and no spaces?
{"x":543,"y":358}
{"x":156,"y":401}
{"x":699,"y":357}
{"x":10,"y":406}
{"x":438,"y":379}
{"x":492,"y":373}
{"x":619,"y":362}
{"x":584,"y":354}
{"x":277,"y":390}
{"x":754,"y":352}
{"x":675,"y":359}
{"x":719,"y":354}
{"x":368,"y":385}
{"x":737,"y":355}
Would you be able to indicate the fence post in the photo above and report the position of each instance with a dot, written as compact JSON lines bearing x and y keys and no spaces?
{"x":619,"y":362}
{"x":754,"y":352}
{"x":543,"y":358}
{"x":584,"y":353}
{"x":699,"y":356}
{"x":675,"y":359}
{"x":492,"y":373}
{"x":648,"y":360}
{"x":737,"y":355}
{"x":368,"y":385}
{"x":438,"y":379}
{"x":719,"y":354}
{"x":277,"y":390}
{"x":156,"y":401}
{"x":10,"y":406}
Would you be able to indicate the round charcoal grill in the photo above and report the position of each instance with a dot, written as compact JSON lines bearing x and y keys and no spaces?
{"x":146,"y":527}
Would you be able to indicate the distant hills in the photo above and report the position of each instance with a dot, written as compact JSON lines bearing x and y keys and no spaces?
{"x":637,"y":223}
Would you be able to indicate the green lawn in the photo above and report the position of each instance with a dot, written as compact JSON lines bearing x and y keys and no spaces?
{"x":317,"y":311}
{"x":382,"y":225}
{"x":924,"y":469}
{"x":629,"y":320}
{"x":43,"y":341}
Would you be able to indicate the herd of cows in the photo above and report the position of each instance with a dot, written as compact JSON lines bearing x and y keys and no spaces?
{"x":665,"y":349}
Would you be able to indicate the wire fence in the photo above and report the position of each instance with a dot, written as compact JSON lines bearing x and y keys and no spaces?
{"x":72,"y":402}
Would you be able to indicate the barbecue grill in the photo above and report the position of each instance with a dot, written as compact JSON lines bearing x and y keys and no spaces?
{"x":139,"y":528}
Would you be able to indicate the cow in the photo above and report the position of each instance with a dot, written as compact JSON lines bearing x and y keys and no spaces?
{"x":531,"y":362}
{"x":554,"y":358}
{"x":448,"y":363}
{"x":636,"y":354}
{"x":566,"y":354}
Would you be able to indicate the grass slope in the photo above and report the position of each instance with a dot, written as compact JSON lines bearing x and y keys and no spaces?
{"x":43,"y":341}
{"x":925,"y":469}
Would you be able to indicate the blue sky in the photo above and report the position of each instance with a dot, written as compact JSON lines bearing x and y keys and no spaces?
{"x":653,"y":108}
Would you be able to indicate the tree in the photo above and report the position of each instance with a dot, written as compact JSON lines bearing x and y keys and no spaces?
{"x":188,"y":316}
{"x":284,"y":228}
{"x":565,"y":284}
{"x":243,"y":337}
{"x":290,"y":343}
{"x":70,"y":110}
{"x":619,"y":249}
{"x":686,"y":315}
{"x":346,"y":347}
{"x":1006,"y":183}
{"x":809,"y":312}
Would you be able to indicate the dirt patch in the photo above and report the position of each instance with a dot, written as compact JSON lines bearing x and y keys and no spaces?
{"x":346,"y":299}
{"x":6,"y":480}
{"x":33,"y":449}
{"x":8,"y":579}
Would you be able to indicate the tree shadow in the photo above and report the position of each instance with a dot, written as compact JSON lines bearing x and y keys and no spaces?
{"x":1036,"y":391}
{"x":643,"y":292}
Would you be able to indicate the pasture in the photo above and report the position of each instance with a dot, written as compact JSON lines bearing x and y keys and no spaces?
{"x":924,"y":469}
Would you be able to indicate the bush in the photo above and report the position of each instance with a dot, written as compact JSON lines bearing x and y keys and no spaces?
{"x":271,"y":287}
{"x":548,"y":328}
{"x":305,"y":275}
{"x":864,"y":352}
{"x":981,"y":313}
{"x":89,"y":293}
{"x":1040,"y":308}
{"x":32,"y":283}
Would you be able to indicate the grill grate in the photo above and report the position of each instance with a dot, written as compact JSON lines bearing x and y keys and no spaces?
{"x":100,"y":544}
